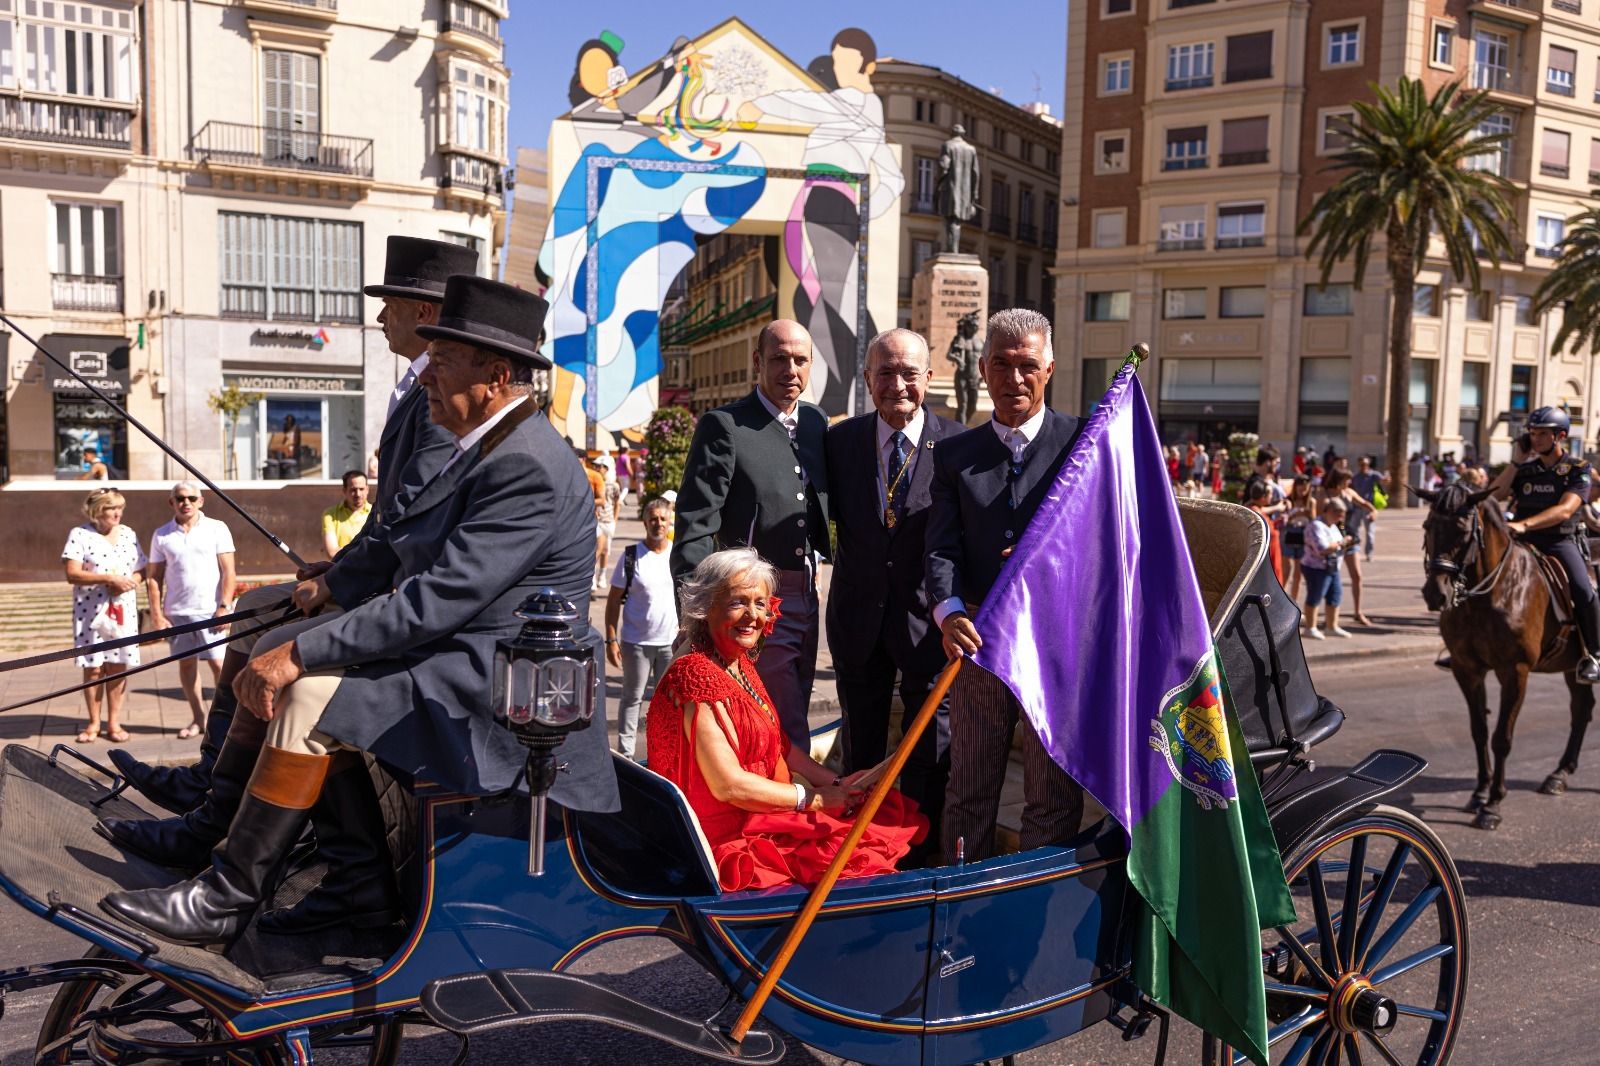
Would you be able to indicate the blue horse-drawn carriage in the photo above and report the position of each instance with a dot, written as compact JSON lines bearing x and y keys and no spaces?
{"x":951,"y":965}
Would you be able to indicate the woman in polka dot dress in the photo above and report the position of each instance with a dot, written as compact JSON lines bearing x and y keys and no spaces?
{"x":105,"y":565}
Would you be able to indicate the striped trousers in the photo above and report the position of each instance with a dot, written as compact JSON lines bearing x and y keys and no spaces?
{"x":983,"y":715}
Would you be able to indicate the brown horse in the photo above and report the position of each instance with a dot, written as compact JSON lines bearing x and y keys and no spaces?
{"x":1497,"y":615}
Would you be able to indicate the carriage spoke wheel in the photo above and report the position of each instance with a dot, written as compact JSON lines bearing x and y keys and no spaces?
{"x":1373,"y":972}
{"x":145,"y":1009}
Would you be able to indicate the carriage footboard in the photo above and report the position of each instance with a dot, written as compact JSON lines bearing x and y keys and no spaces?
{"x":478,"y":1002}
{"x":1327,"y":795}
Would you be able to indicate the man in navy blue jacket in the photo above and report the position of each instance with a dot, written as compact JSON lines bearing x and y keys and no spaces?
{"x":987,"y":484}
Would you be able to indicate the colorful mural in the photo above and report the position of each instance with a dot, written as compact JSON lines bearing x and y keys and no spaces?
{"x":722,"y":134}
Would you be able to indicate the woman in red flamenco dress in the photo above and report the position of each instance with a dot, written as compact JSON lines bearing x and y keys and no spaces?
{"x":773,"y":816}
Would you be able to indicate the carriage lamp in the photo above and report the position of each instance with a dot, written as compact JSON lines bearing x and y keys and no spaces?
{"x":545,"y":687}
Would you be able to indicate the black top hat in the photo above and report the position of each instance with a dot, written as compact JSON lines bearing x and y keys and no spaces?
{"x":417,"y":268}
{"x":493,"y":316}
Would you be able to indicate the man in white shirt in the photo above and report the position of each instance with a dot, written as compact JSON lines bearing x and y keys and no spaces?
{"x":191,"y":578}
{"x":641,"y":618}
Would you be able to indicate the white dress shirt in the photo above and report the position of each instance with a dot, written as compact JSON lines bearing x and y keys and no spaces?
{"x":789,"y":420}
{"x":465,"y":444}
{"x":1017,"y":440}
{"x":409,"y":378}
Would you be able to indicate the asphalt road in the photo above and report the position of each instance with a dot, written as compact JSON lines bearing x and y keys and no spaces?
{"x":1533,"y":886}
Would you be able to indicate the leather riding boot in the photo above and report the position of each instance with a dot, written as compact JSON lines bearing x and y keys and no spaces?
{"x":185,"y":842}
{"x":359,"y":887}
{"x":214,"y":908}
{"x":180,"y":788}
{"x":1588,"y":618}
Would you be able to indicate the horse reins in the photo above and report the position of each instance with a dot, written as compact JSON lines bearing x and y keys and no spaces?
{"x":1459,"y":592}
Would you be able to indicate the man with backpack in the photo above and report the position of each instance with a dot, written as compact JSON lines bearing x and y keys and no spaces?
{"x":642,"y":604}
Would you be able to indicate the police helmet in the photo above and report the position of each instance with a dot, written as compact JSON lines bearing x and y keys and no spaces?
{"x":1551,"y":418}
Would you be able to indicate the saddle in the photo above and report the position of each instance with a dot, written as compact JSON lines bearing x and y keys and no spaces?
{"x":1560,"y":590}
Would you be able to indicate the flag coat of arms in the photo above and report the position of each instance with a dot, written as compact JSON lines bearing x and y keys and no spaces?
{"x":1098,"y":627}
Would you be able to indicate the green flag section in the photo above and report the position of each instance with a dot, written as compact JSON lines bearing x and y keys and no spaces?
{"x":1209,"y":879}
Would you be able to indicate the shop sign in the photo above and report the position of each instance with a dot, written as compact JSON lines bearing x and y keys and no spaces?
{"x":106,"y":370}
{"x":292,"y":383}
{"x":291,"y":338}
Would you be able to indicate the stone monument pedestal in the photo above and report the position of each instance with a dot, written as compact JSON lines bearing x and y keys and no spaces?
{"x":949,"y":285}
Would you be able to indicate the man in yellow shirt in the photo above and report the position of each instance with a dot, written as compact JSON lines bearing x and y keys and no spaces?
{"x":342,"y":521}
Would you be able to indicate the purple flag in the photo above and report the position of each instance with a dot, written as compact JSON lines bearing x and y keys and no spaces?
{"x":1097,"y":626}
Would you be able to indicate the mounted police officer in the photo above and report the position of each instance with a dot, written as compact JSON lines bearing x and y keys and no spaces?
{"x":1547,"y":487}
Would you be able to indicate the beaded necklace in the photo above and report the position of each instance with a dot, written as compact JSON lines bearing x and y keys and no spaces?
{"x":744,"y":683}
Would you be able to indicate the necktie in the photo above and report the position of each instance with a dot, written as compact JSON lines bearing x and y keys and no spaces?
{"x":894,"y":492}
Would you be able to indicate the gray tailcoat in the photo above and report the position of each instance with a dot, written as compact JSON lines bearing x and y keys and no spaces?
{"x":410,"y":452}
{"x":512,"y":515}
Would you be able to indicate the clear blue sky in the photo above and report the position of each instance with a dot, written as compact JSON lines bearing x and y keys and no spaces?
{"x":1007,"y":45}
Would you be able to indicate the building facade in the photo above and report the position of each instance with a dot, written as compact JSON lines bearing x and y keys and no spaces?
{"x":211,"y":184}
{"x":1197,"y":135}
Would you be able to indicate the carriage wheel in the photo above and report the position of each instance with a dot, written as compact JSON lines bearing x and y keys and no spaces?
{"x":1374,"y":970}
{"x":169,"y":1016}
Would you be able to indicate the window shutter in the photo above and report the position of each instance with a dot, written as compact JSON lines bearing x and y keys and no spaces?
{"x":1594,"y":159}
{"x":1563,"y":59}
{"x":1186,"y":134}
{"x":1553,"y":148}
{"x":1244,"y":140}
{"x":1249,"y":57}
{"x":307,"y":93}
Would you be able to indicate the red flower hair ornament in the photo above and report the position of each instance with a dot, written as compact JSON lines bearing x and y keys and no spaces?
{"x":773,"y":614}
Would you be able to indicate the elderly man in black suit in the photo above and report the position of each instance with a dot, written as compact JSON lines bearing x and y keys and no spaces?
{"x":404,"y":671}
{"x":987,"y":484}
{"x":411,"y":450}
{"x":756,"y":477}
{"x":880,"y":473}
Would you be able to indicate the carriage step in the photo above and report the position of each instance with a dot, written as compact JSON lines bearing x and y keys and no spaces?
{"x":474,"y":1003}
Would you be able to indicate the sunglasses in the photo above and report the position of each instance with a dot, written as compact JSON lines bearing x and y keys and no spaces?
{"x":186,"y":499}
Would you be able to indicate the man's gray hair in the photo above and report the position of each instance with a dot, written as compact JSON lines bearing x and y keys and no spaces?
{"x":658,"y":503}
{"x":1013,"y":325}
{"x":900,"y":333}
{"x":193,"y":487}
{"x":714,"y":576}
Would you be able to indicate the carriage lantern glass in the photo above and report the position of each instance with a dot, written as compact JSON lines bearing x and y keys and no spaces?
{"x":545,"y":685}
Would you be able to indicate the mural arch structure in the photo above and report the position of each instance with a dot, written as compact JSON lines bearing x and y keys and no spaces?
{"x":722,"y":134}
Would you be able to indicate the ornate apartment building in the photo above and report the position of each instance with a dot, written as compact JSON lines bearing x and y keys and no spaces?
{"x":194,"y":192}
{"x":1197,"y":136}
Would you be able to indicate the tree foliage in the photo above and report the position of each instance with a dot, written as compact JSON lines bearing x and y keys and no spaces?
{"x":667,"y":439}
{"x":1575,"y":283}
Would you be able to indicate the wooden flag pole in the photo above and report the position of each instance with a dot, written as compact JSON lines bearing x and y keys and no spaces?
{"x":819,"y":894}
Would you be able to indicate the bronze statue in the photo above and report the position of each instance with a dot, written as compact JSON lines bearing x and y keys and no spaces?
{"x":965,"y":351}
{"x":958,"y":186}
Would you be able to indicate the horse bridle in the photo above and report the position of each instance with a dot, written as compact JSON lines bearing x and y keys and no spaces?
{"x":1456,"y":569}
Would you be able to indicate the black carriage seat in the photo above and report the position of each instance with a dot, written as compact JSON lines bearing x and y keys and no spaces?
{"x":1251,"y":616}
{"x":653,"y":847}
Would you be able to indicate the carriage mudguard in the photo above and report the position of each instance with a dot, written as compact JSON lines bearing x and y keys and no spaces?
{"x":1322,"y":797}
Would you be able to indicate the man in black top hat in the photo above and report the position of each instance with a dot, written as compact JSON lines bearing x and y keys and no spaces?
{"x":403,"y":675}
{"x":412,"y":449}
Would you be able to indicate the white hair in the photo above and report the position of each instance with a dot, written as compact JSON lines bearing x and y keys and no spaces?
{"x":716,"y":573}
{"x":900,"y":333}
{"x":1013,"y":325}
{"x":194,"y":489}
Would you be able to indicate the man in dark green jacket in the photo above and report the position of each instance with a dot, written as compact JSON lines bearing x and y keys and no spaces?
{"x":757,"y":476}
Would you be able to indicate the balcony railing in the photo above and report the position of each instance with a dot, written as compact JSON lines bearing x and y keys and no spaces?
{"x":1559,"y":86}
{"x":1181,"y":244}
{"x":1242,"y":159}
{"x":1555,"y":170}
{"x":1241,"y":242}
{"x":85,"y":292}
{"x":455,"y":24}
{"x":1184,"y":162}
{"x":1201,"y":81}
{"x":1028,"y":231}
{"x":1594,"y":177}
{"x":469,"y":172}
{"x":1571,"y":7}
{"x":64,"y":123}
{"x":1000,"y":224}
{"x":290,"y":305}
{"x":318,"y":5}
{"x":1496,"y":79}
{"x":236,"y":144}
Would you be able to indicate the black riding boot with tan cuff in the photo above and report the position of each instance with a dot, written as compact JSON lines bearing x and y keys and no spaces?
{"x":212,"y":910}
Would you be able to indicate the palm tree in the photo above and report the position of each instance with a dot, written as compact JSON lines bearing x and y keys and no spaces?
{"x":1408,"y":175}
{"x":1575,"y":282}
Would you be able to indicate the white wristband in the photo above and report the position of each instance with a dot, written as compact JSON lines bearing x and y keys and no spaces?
{"x":800,"y":797}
